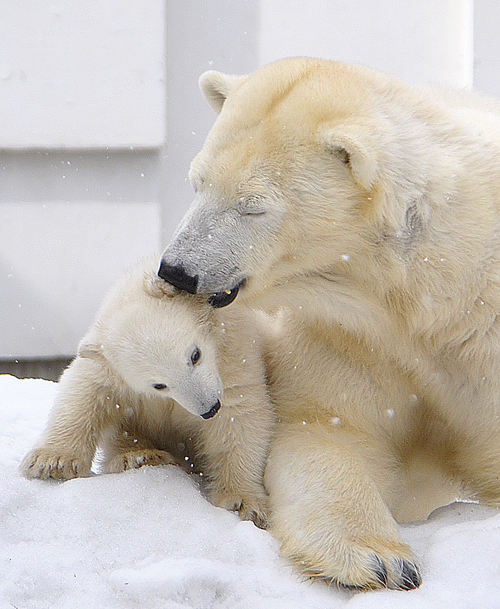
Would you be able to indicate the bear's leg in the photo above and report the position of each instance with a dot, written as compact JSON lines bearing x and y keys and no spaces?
{"x":327,"y":510}
{"x":82,"y":409}
{"x":235,"y":445}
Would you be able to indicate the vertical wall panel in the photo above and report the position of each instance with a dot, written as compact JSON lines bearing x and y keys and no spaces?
{"x":82,"y":124}
{"x":82,"y":74}
{"x":56,"y":262}
{"x":201,"y":35}
{"x":487,"y":47}
{"x":70,"y":222}
{"x":427,"y":40}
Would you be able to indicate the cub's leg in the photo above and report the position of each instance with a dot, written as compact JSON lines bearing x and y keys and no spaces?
{"x":327,"y":509}
{"x":83,"y":407}
{"x":235,"y":444}
{"x":127,"y":448}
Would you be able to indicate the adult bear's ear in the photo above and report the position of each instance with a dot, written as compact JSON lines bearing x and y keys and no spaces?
{"x":216,"y":86}
{"x":357,"y":146}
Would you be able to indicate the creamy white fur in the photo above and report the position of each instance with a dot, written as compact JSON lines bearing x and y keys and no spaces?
{"x":379,"y":237}
{"x":144,"y":335}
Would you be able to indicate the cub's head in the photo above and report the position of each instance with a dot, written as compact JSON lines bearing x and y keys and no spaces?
{"x":159,"y":343}
{"x":300,"y":165}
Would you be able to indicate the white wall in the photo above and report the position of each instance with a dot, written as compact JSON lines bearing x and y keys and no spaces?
{"x":80,"y":74}
{"x":487,"y":47}
{"x":82,"y":126}
{"x":201,"y":35}
{"x":100,"y":116}
{"x":71,"y":221}
{"x":420,"y":41}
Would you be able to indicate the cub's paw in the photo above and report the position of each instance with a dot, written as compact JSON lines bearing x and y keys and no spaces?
{"x":249,"y":506}
{"x":392,"y":567}
{"x":134,"y":459}
{"x":48,"y":463}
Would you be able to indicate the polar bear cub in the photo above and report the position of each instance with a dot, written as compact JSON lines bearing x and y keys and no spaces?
{"x":161,"y":377}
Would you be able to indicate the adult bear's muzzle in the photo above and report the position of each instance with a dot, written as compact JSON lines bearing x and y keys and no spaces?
{"x":177,"y":276}
{"x":213,"y":411}
{"x":222,"y":299}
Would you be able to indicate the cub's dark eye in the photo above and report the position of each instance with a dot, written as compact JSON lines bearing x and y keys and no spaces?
{"x":159,"y":386}
{"x":195,"y":356}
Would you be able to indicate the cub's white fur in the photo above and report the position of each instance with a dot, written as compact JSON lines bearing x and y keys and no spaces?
{"x":150,"y":365}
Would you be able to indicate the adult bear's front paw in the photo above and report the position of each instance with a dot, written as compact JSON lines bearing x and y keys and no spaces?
{"x":49,"y":463}
{"x":388,"y":572}
{"x":355,"y":566}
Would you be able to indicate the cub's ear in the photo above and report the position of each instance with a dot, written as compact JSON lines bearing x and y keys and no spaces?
{"x":356,"y":146}
{"x":157,"y":287}
{"x":89,"y":350}
{"x":90,"y":346}
{"x":216,"y":86}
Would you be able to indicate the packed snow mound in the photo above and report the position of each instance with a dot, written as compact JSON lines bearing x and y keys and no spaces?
{"x":147,"y":539}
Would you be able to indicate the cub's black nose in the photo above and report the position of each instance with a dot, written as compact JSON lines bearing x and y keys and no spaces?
{"x":177,"y":276}
{"x":212,"y":412}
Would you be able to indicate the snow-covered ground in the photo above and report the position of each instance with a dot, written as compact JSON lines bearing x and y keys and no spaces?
{"x":147,"y":539}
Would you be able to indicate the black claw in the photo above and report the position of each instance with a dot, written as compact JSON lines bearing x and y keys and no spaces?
{"x":410,"y":576}
{"x":380,"y":571}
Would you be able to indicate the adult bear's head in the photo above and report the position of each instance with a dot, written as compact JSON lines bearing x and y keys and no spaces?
{"x":292,"y":178}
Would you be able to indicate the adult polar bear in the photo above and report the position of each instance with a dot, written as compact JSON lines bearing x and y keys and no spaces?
{"x":369,"y":210}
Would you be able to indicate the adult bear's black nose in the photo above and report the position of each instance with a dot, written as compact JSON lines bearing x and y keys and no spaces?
{"x":177,"y":276}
